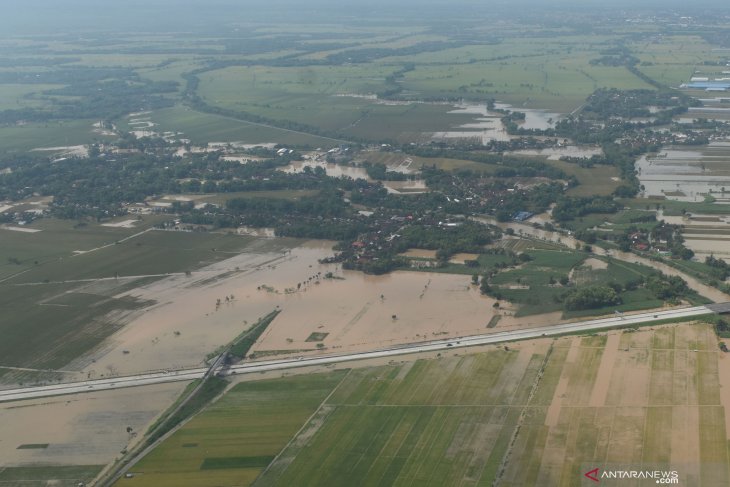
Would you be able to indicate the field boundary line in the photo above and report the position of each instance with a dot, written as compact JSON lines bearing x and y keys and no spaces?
{"x":515,"y":433}
{"x":84,"y":252}
{"x":211,"y":110}
{"x":299,"y":431}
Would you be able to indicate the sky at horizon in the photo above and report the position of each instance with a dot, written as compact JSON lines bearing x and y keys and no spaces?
{"x":52,"y":16}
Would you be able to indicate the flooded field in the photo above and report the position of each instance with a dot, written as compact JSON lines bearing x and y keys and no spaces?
{"x":332,"y":170}
{"x":704,"y":234}
{"x":413,"y":185}
{"x":87,"y":429}
{"x":683,"y":174}
{"x":534,"y":118}
{"x":355,"y":311}
{"x":406,"y":187}
{"x":711,"y":112}
{"x":488,"y":126}
{"x":555,"y":154}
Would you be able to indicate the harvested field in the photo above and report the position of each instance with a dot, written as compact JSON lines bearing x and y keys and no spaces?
{"x":532,"y":413}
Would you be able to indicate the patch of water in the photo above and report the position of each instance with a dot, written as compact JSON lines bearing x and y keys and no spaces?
{"x":686,"y":174}
{"x":534,"y":118}
{"x":337,"y":171}
{"x":556,"y":153}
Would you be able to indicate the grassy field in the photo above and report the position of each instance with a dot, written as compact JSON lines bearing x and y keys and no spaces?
{"x":202,"y":128}
{"x":57,"y":305}
{"x":232,"y":441}
{"x":436,"y":424}
{"x":23,"y":138}
{"x":393,"y":159}
{"x":14,"y":97}
{"x":672,"y":60}
{"x":611,"y":222}
{"x":322,"y":96}
{"x":58,"y":239}
{"x":549,"y":69}
{"x":43,"y":476}
{"x":551,"y":72}
{"x":596,"y":180}
{"x":529,"y":284}
{"x":535,"y":414}
{"x":555,"y":77}
{"x":150,"y":253}
{"x":533,"y":285}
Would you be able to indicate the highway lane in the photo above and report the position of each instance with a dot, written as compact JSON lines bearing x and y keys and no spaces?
{"x":282,"y":364}
{"x":100,"y":384}
{"x":475,"y":340}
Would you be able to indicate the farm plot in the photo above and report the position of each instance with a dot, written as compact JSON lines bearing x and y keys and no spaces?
{"x":57,"y":305}
{"x":232,"y":441}
{"x":532,"y":413}
{"x":646,"y":398}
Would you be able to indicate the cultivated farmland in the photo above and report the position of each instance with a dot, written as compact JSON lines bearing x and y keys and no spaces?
{"x":533,"y":413}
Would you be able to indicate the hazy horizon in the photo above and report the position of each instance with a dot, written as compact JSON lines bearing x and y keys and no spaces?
{"x":37,"y":17}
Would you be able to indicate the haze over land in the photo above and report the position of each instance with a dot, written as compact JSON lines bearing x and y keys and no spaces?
{"x":305,"y":243}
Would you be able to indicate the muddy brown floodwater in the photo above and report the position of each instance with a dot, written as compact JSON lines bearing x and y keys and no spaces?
{"x":81,"y":429}
{"x":348,"y":311}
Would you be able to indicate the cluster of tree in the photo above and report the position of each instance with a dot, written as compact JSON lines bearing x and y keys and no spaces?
{"x":606,"y":103}
{"x":591,"y":297}
{"x":672,"y":235}
{"x":379,"y":172}
{"x":569,"y":208}
{"x":393,"y":82}
{"x":325,"y":215}
{"x":366,"y":55}
{"x":669,"y":288}
{"x":536,"y":199}
{"x":722,"y":328}
{"x":467,"y":237}
{"x":326,"y":204}
{"x":720,"y":268}
{"x":101,"y":186}
{"x":68,"y":75}
{"x":510,"y":166}
{"x":621,"y":59}
{"x":101,"y":93}
{"x":380,"y":265}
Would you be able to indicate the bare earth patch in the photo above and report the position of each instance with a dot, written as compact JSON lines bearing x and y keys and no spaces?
{"x":79,"y":429}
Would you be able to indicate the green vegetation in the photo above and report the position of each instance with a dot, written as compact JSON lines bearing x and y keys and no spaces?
{"x":41,"y":476}
{"x":46,"y":283}
{"x":247,"y":426}
{"x":591,"y":297}
{"x":557,"y":280}
{"x":203,"y":128}
{"x":24,"y":138}
{"x":243,"y":344}
{"x":535,"y":285}
{"x":153,"y":253}
{"x":424,"y":411}
{"x":33,"y":446}
{"x":405,"y":89}
{"x":210,"y":389}
{"x":227,"y":463}
{"x":476,"y":418}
